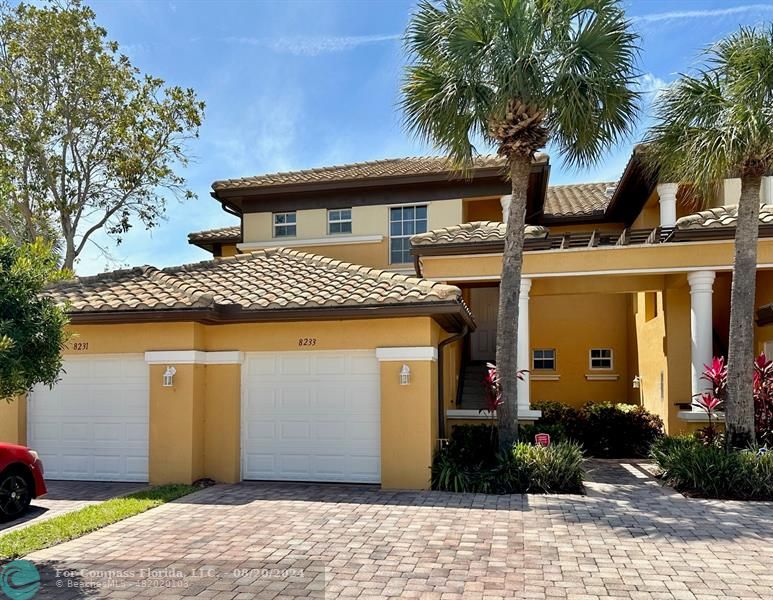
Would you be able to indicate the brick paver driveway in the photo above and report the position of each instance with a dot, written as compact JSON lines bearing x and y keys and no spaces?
{"x":628,"y":538}
{"x":66,"y":496}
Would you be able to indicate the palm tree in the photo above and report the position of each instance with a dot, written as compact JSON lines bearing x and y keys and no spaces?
{"x":516,"y":74}
{"x":710,"y":126}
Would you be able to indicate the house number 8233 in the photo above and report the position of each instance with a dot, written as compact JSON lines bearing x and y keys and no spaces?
{"x":307,"y":341}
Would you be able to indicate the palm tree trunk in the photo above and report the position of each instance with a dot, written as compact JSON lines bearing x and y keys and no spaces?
{"x":509,"y":294}
{"x":739,"y":405}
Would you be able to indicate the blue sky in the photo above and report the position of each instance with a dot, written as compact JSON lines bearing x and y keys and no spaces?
{"x":296,"y":84}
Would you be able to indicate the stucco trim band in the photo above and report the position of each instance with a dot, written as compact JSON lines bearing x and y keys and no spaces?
{"x":328,"y":241}
{"x":407,"y":353}
{"x":194,"y":357}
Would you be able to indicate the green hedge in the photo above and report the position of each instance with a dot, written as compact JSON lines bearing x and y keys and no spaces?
{"x":470,"y":464}
{"x":710,"y":471}
{"x":604,"y":430}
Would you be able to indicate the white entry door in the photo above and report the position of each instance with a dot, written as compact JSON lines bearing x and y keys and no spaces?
{"x":93,"y":424}
{"x":484,"y":303}
{"x":311,"y":416}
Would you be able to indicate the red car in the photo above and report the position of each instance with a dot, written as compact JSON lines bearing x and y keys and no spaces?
{"x":21,"y":480}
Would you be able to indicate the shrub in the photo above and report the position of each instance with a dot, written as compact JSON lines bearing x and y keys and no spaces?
{"x":710,"y":471}
{"x":561,"y":421}
{"x":473,"y":445}
{"x":555,"y":469}
{"x":604,"y":429}
{"x":619,"y":430}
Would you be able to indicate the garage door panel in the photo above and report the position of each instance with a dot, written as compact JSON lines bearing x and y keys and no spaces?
{"x":325,"y":410}
{"x":295,"y":398}
{"x":294,"y":431}
{"x":295,"y":365}
{"x":93,"y":424}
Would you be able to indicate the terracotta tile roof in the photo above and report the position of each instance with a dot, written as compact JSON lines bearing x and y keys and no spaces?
{"x":578,"y":199}
{"x":470,"y":233}
{"x":259,"y":281}
{"x":222,"y":234}
{"x":722,"y":216}
{"x":390,"y":167}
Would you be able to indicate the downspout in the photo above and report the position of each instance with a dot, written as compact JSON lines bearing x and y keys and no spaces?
{"x":441,"y":409}
{"x":227,"y":206}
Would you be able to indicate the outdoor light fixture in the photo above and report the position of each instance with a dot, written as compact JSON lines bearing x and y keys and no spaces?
{"x":405,"y":375}
{"x":169,"y":376}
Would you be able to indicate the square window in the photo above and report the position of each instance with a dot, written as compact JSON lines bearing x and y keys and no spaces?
{"x":404,"y":222}
{"x":543,"y":359}
{"x":601,"y":358}
{"x":284,"y":224}
{"x":339,"y":221}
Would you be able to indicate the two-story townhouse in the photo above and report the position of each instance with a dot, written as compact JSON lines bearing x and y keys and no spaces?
{"x":341,"y":328}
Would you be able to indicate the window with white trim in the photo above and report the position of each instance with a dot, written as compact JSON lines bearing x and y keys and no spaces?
{"x":339,"y":220}
{"x":404,"y":222}
{"x":601,"y":358}
{"x":284,"y":224}
{"x":543,"y":359}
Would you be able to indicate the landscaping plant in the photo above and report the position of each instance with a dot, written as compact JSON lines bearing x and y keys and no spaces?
{"x":712,"y":471}
{"x":604,"y":429}
{"x":469,"y":463}
{"x":763,"y":400}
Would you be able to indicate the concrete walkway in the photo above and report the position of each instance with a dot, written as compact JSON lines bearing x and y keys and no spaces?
{"x":627,"y":538}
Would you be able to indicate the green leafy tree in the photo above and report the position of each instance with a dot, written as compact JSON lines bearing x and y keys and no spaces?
{"x":86,"y":141}
{"x":715,"y":124}
{"x":32,"y":327}
{"x":516,"y":74}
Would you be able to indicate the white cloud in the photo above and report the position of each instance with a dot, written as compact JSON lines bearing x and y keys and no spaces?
{"x":651,"y":85}
{"x":702,"y":14}
{"x":315,"y":45}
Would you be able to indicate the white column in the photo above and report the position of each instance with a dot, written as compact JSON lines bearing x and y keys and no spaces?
{"x":701,"y":283}
{"x":524,"y":348}
{"x":667,"y":195}
{"x":505,"y":201}
{"x":767,"y":190}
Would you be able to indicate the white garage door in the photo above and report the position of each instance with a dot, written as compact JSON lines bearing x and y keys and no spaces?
{"x":93,"y":425}
{"x":311,"y":416}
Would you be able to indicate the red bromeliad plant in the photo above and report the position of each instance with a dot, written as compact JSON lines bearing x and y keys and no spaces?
{"x":492,"y":393}
{"x":712,"y":401}
{"x":763,"y":399}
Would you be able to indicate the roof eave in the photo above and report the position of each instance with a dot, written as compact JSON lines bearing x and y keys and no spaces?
{"x":451,"y":315}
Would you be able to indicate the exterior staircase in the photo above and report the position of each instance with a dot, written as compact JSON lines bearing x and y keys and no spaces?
{"x":472,"y":390}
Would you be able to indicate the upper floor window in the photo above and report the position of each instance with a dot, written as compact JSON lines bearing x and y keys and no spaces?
{"x":339,"y":221}
{"x":544,"y":359}
{"x":404,"y":222}
{"x":601,"y":358}
{"x":284,"y":224}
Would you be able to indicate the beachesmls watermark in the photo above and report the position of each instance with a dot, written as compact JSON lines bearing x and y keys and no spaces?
{"x":24,"y":580}
{"x":19,"y":580}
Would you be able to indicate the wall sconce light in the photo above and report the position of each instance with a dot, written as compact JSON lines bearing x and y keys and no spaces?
{"x":636,"y":382}
{"x":169,"y":376}
{"x":405,"y":375}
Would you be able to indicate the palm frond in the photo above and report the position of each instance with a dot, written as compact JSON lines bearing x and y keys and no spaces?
{"x":571,"y":62}
{"x":709,"y":125}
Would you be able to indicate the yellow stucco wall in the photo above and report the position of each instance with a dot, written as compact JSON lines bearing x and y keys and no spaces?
{"x":222,"y":422}
{"x":13,"y":421}
{"x":650,"y":361}
{"x":229,"y":250}
{"x":572,"y":325}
